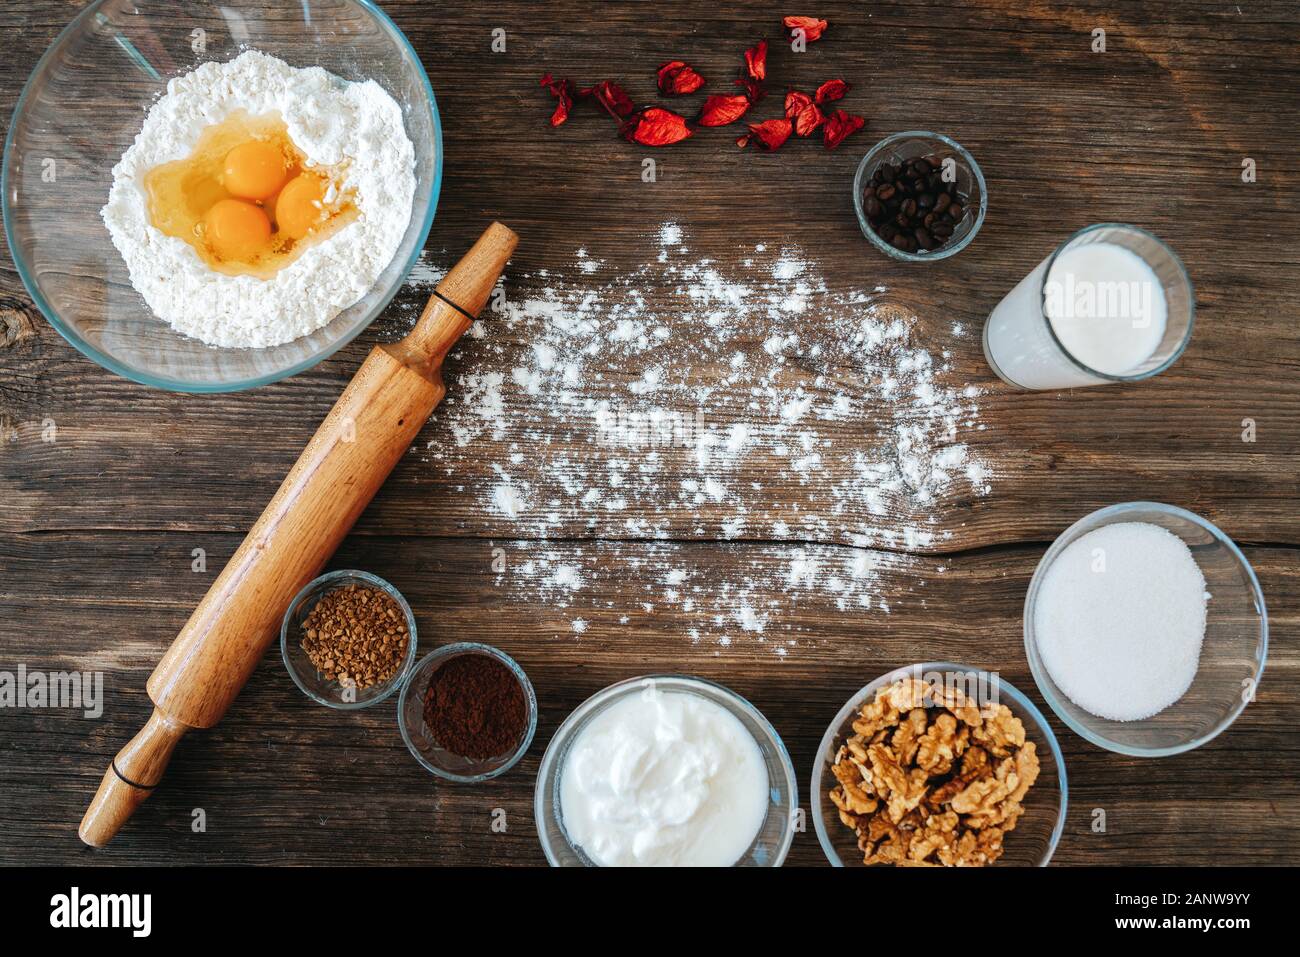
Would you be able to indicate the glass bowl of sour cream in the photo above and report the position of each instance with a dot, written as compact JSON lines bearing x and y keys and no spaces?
{"x":84,"y":106}
{"x":666,"y":770}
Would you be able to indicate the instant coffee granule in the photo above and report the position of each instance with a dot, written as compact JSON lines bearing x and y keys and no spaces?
{"x":356,"y":635}
{"x":475,"y":707}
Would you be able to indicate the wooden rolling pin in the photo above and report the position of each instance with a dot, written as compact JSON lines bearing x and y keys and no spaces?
{"x":369,"y":429}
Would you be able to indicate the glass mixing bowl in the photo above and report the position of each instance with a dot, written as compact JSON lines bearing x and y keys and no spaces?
{"x":85,"y":103}
{"x":1233,"y":651}
{"x":772,"y":842}
{"x":1034,"y":839}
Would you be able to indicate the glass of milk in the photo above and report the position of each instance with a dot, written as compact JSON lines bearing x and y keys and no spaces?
{"x":1112,"y":304}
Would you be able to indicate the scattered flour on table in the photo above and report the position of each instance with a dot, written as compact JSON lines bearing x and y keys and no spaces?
{"x":355,"y":126}
{"x":683,"y":400}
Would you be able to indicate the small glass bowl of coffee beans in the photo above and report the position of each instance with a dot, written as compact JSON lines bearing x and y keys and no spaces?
{"x":348,"y":639}
{"x":919,"y":196}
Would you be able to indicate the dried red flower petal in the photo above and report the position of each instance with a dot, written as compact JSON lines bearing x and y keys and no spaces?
{"x":756,"y":61}
{"x":808,"y":119}
{"x":753,"y":88}
{"x":812,"y":27}
{"x":830,"y":90}
{"x":562,"y":90}
{"x":838,"y":126}
{"x":723,"y":108}
{"x":676,"y":77}
{"x":655,"y":126}
{"x":769,"y":134}
{"x":612,"y":97}
{"x":794,"y":102}
{"x":803,"y":112}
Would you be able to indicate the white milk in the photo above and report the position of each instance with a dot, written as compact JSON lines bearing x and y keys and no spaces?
{"x":1106,"y":306}
{"x":663,"y":778}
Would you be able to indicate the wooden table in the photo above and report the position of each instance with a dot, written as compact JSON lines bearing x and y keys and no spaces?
{"x":98,"y":528}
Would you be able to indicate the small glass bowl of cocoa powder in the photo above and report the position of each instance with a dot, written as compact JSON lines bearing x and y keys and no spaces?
{"x":467,"y":712}
{"x":348,"y":639}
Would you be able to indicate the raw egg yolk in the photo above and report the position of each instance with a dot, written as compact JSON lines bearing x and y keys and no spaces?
{"x":255,"y":170}
{"x":236,"y":231}
{"x":300,"y":207}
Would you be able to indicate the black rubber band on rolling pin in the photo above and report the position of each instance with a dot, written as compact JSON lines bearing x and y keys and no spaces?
{"x":126,"y":780}
{"x":454,"y":306}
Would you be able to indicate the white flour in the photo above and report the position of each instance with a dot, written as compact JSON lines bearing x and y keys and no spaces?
{"x":681,"y":402}
{"x":331,"y":122}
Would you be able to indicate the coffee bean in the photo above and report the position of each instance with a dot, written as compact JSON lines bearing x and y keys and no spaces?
{"x":910,"y":206}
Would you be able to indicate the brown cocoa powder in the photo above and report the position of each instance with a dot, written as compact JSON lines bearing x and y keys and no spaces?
{"x":475,"y":707}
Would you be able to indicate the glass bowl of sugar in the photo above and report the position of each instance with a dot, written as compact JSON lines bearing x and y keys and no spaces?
{"x":1146,"y":629}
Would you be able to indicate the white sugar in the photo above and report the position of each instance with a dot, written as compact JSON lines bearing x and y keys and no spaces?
{"x":1119,"y":620}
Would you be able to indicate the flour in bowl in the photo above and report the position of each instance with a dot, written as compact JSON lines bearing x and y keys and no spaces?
{"x":347,"y":141}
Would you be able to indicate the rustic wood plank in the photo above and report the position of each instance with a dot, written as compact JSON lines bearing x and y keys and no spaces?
{"x":97,"y":527}
{"x":1069,"y":453}
{"x":340,"y":788}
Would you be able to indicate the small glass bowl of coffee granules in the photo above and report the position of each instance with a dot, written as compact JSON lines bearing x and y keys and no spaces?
{"x":919,"y":196}
{"x":467,"y":712}
{"x":348,"y":639}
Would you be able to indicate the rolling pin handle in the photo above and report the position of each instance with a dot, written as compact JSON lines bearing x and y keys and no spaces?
{"x":130,"y":778}
{"x":469,"y":284}
{"x":456,"y":302}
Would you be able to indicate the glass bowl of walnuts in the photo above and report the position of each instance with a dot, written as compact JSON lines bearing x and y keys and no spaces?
{"x":939,"y":764}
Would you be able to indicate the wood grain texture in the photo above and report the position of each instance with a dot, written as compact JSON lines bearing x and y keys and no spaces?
{"x":97,"y":528}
